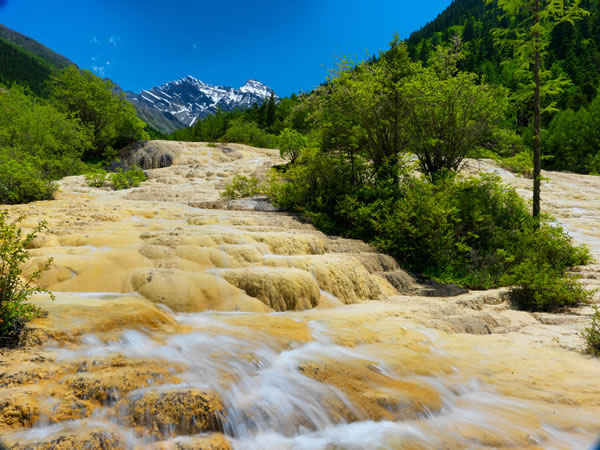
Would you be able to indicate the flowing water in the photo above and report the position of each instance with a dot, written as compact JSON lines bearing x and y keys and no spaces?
{"x":180,"y":327}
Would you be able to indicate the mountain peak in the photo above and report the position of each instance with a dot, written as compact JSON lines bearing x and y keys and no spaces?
{"x":186,"y":80}
{"x":180,"y":103}
{"x":255,"y":87}
{"x":253,"y":82}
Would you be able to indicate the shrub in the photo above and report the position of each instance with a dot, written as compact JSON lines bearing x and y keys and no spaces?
{"x":21,"y":181}
{"x":521,"y":163}
{"x":125,"y":179}
{"x":15,"y":290}
{"x":473,"y":232}
{"x":97,"y":178}
{"x":592,"y":334}
{"x":241,"y":186}
{"x":540,"y":287}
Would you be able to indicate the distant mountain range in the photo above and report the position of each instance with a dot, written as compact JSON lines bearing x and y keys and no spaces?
{"x":180,"y":103}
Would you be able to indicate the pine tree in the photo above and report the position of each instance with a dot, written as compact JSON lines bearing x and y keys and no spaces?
{"x":529,"y":38}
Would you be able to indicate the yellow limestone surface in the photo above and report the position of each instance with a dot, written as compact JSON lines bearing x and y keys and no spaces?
{"x":177,"y":327}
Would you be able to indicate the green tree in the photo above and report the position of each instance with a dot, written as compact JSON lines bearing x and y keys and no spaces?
{"x":270,"y":113}
{"x":529,"y":38}
{"x":290,"y":144}
{"x":361,"y":111}
{"x":112,"y":119}
{"x":450,"y":114}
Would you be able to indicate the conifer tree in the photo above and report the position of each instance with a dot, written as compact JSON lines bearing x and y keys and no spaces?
{"x":529,"y":38}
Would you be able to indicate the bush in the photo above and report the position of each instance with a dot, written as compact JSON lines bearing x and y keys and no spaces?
{"x":592,"y":334}
{"x":21,"y":181}
{"x":15,"y":290}
{"x":540,"y":287}
{"x":473,"y":232}
{"x":242,"y":186}
{"x":125,"y":179}
{"x":521,"y":163}
{"x":98,"y":178}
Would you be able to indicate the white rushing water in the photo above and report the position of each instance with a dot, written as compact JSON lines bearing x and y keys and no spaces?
{"x":270,"y":403}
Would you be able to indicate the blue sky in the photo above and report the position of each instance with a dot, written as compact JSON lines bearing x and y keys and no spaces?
{"x":287,"y":45}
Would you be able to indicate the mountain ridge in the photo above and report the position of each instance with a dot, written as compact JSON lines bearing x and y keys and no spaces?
{"x":181,"y":103}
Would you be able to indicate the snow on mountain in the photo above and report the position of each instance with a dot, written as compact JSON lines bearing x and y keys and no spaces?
{"x":180,"y":103}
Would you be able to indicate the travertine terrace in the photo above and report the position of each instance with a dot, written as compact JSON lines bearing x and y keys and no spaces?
{"x":185,"y":321}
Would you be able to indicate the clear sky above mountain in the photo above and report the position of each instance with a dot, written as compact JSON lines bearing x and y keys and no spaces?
{"x":286,"y":45}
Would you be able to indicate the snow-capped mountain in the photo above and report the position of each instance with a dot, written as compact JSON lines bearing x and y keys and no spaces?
{"x":180,"y":103}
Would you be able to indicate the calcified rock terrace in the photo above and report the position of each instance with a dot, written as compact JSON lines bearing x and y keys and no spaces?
{"x":184,"y":321}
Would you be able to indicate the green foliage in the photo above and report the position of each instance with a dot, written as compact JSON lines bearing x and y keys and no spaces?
{"x":125,"y":179}
{"x":592,"y":334}
{"x":513,"y":157}
{"x":245,"y":132}
{"x":572,"y":47}
{"x":537,"y":85}
{"x":241,"y":186}
{"x":451,"y":115}
{"x":362,"y":112}
{"x":112,"y":120}
{"x":34,"y":126}
{"x":97,"y":178}
{"x":314,"y":185}
{"x":473,"y":232}
{"x":380,"y":110}
{"x":538,"y":267}
{"x":290,"y":144}
{"x":18,"y":66}
{"x":542,"y":288}
{"x":14,"y":289}
{"x":21,"y":179}
{"x":38,"y":144}
{"x":572,"y":141}
{"x":521,"y":163}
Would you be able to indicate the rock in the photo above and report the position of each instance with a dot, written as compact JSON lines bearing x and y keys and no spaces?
{"x":173,"y":412}
{"x":184,"y":291}
{"x":401,"y":280}
{"x":379,"y":397}
{"x":90,"y":440}
{"x":210,"y":441}
{"x":279,"y":289}
{"x":149,"y":155}
{"x":342,"y":276}
{"x":18,"y":408}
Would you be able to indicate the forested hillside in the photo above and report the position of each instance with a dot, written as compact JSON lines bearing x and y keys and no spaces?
{"x":24,"y":68}
{"x":574,"y":48}
{"x":34,"y":47}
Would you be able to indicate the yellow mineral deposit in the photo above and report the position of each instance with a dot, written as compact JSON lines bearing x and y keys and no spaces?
{"x":185,"y":321}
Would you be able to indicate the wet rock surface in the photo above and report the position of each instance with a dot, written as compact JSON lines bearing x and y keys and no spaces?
{"x":174,"y":412}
